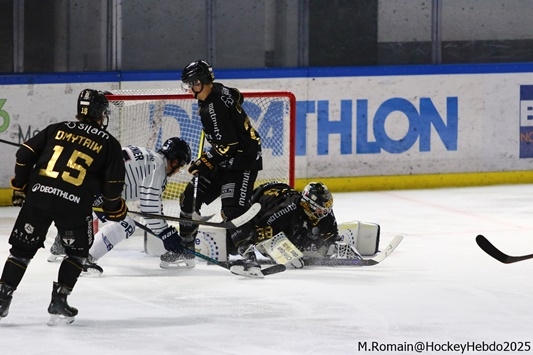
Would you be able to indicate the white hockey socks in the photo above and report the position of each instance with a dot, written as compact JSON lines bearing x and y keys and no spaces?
{"x":110,"y":235}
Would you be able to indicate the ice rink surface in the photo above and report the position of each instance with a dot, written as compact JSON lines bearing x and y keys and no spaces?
{"x":437,"y":288}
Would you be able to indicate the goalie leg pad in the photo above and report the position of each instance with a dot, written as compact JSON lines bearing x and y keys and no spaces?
{"x":281,"y":250}
{"x":364,"y":236}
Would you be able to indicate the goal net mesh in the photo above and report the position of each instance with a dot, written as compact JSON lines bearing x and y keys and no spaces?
{"x":146,"y":118}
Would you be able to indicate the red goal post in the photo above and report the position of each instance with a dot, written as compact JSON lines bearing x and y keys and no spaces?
{"x":147,"y":118}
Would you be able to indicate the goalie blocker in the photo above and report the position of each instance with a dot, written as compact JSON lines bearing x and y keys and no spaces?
{"x":364,"y":236}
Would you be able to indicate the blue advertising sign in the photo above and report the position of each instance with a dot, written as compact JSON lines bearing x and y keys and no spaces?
{"x":420,"y":120}
{"x":526,"y":121}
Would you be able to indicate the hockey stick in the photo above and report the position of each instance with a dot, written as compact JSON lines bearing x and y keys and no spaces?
{"x":11,"y":143}
{"x":226,"y":265}
{"x":358,"y":262}
{"x":234,"y":223}
{"x":490,"y":249}
{"x":195,"y":215}
{"x":196,"y":178}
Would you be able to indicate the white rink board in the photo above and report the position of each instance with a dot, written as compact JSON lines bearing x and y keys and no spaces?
{"x":486,"y":108}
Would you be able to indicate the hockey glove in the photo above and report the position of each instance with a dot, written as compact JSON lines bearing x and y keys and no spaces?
{"x":18,"y":198}
{"x":201,"y":165}
{"x":171,"y":240}
{"x":19,"y":194}
{"x":115,"y":214}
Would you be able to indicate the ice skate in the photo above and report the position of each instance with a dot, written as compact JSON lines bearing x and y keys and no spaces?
{"x":170,"y":260}
{"x":57,"y":251}
{"x":91,"y":268}
{"x":6,"y":295}
{"x":248,"y":265}
{"x":59,"y":309}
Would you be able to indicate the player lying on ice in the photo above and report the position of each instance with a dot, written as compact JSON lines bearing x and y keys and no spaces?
{"x":293,"y":228}
{"x":147,"y":172}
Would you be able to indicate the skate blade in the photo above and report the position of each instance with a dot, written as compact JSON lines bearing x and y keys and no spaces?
{"x":91,"y":273}
{"x":176,"y":265}
{"x":53,"y":258}
{"x":57,"y":319}
{"x":253,"y":272}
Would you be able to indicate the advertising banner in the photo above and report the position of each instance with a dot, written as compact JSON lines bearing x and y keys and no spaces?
{"x":347,"y":126}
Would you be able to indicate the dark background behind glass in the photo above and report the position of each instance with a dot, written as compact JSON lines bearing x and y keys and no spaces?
{"x":105,"y":35}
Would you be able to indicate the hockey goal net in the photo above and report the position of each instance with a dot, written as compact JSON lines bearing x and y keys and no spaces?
{"x":146,"y":118}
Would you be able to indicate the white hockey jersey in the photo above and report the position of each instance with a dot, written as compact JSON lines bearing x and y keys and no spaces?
{"x":145,"y":182}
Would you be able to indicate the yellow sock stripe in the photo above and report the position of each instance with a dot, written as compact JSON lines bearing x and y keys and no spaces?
{"x":17,"y":263}
{"x":68,"y":260}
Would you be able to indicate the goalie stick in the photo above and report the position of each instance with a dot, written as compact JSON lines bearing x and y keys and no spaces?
{"x":234,"y":223}
{"x":358,"y":262}
{"x":490,"y":249}
{"x":226,"y":265}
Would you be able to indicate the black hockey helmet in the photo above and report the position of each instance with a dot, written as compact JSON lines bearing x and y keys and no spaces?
{"x":176,"y":148}
{"x":92,"y":105}
{"x":198,"y":70}
{"x":316,"y":201}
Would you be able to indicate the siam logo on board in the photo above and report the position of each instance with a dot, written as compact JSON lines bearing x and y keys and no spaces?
{"x":361,"y":130}
{"x":526,"y":121}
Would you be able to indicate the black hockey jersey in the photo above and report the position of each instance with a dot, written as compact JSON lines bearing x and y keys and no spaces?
{"x":235,"y":144}
{"x":67,"y":164}
{"x":281,"y":212}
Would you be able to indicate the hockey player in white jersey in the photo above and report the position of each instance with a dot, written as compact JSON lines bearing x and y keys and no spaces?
{"x":147,"y":172}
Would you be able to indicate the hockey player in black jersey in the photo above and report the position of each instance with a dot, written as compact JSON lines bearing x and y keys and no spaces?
{"x":57,"y":174}
{"x":230,"y":167}
{"x":306,"y":218}
{"x":147,"y":172}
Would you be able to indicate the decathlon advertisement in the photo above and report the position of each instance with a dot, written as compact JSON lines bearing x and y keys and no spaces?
{"x":350,"y":123}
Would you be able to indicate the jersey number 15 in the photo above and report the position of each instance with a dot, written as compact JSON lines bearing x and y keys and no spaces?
{"x":71,"y":163}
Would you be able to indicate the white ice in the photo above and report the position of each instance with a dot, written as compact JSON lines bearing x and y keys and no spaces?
{"x":438,"y":288}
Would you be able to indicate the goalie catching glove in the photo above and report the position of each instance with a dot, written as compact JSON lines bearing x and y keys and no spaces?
{"x":344,"y":251}
{"x":171,"y":240}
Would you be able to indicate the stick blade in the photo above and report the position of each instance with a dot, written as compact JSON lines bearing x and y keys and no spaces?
{"x":245,"y":217}
{"x":490,"y":249}
{"x":388,"y":249}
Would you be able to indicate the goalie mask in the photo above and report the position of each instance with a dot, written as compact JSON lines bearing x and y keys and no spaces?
{"x":316,"y":201}
{"x":176,"y":149}
{"x":93,"y":106}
